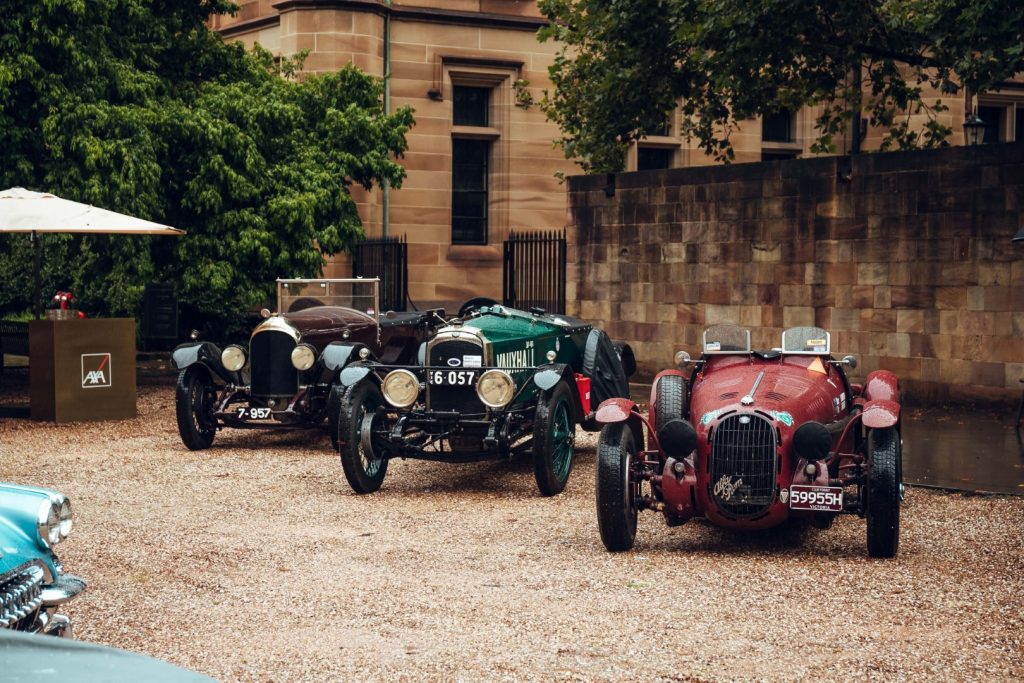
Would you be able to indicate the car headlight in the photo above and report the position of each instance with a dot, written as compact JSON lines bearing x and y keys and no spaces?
{"x":303,"y":357}
{"x":65,"y":518}
{"x":48,"y":524}
{"x":495,"y":388}
{"x":233,"y":358}
{"x":400,"y":388}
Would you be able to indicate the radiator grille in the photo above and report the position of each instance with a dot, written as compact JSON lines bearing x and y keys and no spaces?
{"x":20,"y":598}
{"x":270,"y":358}
{"x":743,"y":464}
{"x":459,"y":398}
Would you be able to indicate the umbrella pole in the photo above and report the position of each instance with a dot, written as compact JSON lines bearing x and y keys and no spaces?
{"x":35,"y":259}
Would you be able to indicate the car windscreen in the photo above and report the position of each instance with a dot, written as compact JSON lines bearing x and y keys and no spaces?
{"x":726,"y":339}
{"x":806,"y":340}
{"x":358,"y":293}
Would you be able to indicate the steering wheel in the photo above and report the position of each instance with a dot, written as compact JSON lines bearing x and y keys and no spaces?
{"x":475,"y":303}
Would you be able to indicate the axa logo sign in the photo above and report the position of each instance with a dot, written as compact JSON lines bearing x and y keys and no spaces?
{"x":95,"y":370}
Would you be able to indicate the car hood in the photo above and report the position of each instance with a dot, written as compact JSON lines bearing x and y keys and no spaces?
{"x":511,"y":324}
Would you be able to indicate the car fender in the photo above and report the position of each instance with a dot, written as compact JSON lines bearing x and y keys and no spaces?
{"x":614,"y":410}
{"x":337,"y":355}
{"x":547,"y":377}
{"x":206,"y":354}
{"x":880,"y":414}
{"x":355,"y":373}
{"x":881,"y":385}
{"x":652,"y":407}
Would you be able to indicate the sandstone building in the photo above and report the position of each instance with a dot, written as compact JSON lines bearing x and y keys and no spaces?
{"x":481,"y":160}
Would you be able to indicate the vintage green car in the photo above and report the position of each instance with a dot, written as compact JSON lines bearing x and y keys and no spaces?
{"x":493,"y":383}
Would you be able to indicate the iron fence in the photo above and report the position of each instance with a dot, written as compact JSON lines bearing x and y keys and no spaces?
{"x":534,"y":270}
{"x":388,"y":259}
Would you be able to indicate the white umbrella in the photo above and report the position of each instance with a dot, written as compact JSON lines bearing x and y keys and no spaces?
{"x":22,"y":210}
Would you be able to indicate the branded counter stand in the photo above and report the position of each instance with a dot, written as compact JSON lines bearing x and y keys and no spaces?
{"x":82,"y":369}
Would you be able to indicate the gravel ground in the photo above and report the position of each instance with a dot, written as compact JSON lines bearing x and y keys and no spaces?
{"x":253,"y":561}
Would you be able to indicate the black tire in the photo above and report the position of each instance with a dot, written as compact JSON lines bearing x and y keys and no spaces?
{"x":616,"y":494}
{"x":670,"y":401}
{"x":193,"y":407}
{"x":602,"y":365}
{"x":554,"y":440}
{"x":476,"y":302}
{"x":883,"y":492}
{"x":333,"y":407}
{"x":364,"y":471}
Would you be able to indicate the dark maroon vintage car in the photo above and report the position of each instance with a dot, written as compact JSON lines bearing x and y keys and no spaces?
{"x":287,"y":375}
{"x":754,"y":439}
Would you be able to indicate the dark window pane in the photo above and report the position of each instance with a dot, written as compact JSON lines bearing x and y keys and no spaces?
{"x":1019,"y":122}
{"x":469,"y":191}
{"x":651,"y":158}
{"x":665,"y":128}
{"x":778,"y":156}
{"x":470,"y":106}
{"x":777,"y":127}
{"x":992,"y":117}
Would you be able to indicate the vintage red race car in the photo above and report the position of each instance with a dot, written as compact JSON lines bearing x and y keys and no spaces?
{"x":753,"y":439}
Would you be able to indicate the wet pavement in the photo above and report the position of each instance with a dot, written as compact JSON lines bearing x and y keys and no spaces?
{"x":948,"y":448}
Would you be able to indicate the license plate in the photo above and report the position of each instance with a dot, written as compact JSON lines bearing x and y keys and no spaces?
{"x":452,"y":378}
{"x":826,"y":498}
{"x":253,"y":413}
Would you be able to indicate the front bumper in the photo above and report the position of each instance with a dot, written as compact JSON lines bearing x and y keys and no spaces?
{"x":48,"y":622}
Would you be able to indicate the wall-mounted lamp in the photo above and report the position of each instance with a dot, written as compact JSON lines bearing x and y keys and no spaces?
{"x":974,"y":130}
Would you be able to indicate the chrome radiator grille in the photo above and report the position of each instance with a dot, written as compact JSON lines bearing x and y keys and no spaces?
{"x":270,"y":357}
{"x":743,"y":464}
{"x":456,"y":398}
{"x":20,"y":597}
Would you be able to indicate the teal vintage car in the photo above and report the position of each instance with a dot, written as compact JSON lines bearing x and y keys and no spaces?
{"x":492,"y":383}
{"x":33,"y":584}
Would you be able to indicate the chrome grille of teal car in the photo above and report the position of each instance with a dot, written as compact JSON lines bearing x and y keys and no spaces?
{"x":743,"y":464}
{"x":20,"y":597}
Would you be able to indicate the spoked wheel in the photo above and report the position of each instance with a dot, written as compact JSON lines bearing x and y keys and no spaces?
{"x":617,"y":494}
{"x":364,"y":468}
{"x":885,"y":471}
{"x":554,"y":440}
{"x":193,"y":408}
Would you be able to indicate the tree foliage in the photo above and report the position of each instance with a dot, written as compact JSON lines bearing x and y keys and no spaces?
{"x":136,"y":106}
{"x":626,"y":63}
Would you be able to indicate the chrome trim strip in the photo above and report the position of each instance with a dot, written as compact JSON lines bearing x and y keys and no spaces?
{"x":276,"y":324}
{"x":63,"y":589}
{"x":749,"y":398}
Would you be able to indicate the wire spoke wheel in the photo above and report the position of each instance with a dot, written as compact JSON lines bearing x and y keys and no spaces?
{"x":554,"y":440}
{"x":363,"y":466}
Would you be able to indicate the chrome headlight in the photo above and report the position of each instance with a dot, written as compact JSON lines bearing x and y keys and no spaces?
{"x":65,"y":518}
{"x":48,"y":524}
{"x":495,"y":388}
{"x":400,"y":388}
{"x":233,"y":358}
{"x":303,"y":357}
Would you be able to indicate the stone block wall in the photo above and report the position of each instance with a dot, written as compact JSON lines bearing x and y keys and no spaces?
{"x":905,"y":258}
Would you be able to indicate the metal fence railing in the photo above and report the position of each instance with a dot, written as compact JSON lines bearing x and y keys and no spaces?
{"x":388,"y":259}
{"x":534,"y":270}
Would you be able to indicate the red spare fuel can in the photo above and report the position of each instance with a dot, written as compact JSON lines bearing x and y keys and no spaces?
{"x":583,"y":385}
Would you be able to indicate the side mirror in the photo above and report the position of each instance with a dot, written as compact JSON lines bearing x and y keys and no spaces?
{"x":682,"y":359}
{"x":850,"y":361}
